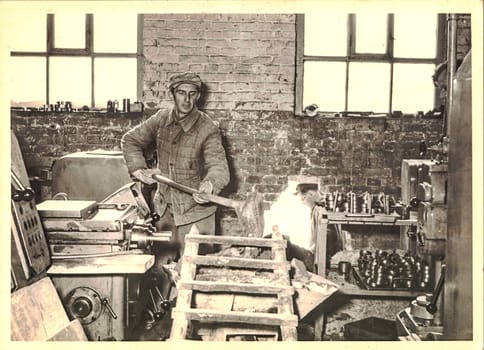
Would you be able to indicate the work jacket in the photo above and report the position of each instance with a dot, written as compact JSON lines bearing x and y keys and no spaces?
{"x":189,"y":152}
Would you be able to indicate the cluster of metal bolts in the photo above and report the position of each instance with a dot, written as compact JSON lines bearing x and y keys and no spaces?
{"x":388,"y":269}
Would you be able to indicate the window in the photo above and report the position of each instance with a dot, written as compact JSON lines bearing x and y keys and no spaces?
{"x":85,"y":59}
{"x":367,"y":62}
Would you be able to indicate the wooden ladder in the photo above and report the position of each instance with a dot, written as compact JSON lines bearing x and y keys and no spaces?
{"x":285,"y":320}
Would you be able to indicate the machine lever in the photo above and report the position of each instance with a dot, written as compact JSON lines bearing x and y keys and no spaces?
{"x":156,"y":308}
{"x":21,"y":192}
{"x":432,"y":306}
{"x":105,"y":302}
{"x":165,"y":304}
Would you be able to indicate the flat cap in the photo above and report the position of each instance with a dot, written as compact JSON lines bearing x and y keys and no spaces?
{"x":184,"y":78}
{"x":305,"y":187}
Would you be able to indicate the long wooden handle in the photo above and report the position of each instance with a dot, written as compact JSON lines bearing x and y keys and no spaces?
{"x":226,"y":202}
{"x":171,"y":183}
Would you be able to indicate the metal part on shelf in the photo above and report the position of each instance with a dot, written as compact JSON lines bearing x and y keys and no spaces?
{"x":386,"y":270}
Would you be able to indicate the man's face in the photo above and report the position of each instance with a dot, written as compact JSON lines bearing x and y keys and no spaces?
{"x":309,"y":198}
{"x":185,"y":97}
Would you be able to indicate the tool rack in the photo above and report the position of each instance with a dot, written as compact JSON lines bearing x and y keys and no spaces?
{"x":184,"y":313}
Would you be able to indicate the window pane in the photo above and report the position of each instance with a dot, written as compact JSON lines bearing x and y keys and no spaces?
{"x":27,"y":81}
{"x":324,"y":85}
{"x":413,"y":89}
{"x":325,"y":34}
{"x":415,"y":35}
{"x":28,"y":32}
{"x":371,"y":33}
{"x":115,"y":79}
{"x":70,"y":80}
{"x":70,"y":31}
{"x":115,"y":33}
{"x":369,"y":85}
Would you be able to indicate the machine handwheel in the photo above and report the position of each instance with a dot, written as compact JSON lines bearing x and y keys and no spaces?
{"x":84,"y":304}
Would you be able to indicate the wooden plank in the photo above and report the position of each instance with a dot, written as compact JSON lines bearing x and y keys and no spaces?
{"x":207,"y":286}
{"x":36,"y":312}
{"x":73,"y":332}
{"x":205,"y":315}
{"x":236,"y":262}
{"x":321,"y":238}
{"x":279,"y":254}
{"x":179,"y":325}
{"x":286,"y":307}
{"x":288,"y":333}
{"x":180,"y":322}
{"x":233,"y":240}
{"x":117,"y":264}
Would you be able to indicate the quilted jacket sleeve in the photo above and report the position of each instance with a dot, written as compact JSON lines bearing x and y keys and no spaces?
{"x":138,"y":139}
{"x":216,"y":166}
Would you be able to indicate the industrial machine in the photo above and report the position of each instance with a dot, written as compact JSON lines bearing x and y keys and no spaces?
{"x":419,"y":318}
{"x":100,"y":266}
{"x":97,"y":253}
{"x":424,"y":186}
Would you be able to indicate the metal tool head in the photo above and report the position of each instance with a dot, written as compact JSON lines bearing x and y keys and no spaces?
{"x":250,"y":212}
{"x":251,"y":215}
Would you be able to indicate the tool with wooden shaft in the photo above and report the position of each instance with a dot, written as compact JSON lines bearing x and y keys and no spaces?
{"x":249,"y":212}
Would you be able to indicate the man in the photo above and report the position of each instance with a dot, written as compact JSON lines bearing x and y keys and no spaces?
{"x":311,"y":197}
{"x":189,"y":151}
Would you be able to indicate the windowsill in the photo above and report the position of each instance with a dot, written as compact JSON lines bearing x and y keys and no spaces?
{"x":94,"y":113}
{"x":430,"y":115}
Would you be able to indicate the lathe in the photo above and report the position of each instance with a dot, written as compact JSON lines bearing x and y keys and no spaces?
{"x":95,"y":249}
{"x":98,"y":255}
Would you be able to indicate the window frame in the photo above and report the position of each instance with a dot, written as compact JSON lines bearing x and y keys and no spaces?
{"x":87,"y":51}
{"x":353,"y":56}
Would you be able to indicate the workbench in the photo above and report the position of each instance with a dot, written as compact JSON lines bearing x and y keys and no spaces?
{"x":321,"y":219}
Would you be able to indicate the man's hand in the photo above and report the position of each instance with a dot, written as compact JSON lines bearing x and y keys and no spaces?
{"x":205,"y":187}
{"x":144,"y":175}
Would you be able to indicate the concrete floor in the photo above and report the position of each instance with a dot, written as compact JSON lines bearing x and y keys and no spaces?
{"x":340,"y":311}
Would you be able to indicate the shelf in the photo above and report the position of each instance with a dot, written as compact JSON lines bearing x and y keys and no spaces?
{"x":377,"y":219}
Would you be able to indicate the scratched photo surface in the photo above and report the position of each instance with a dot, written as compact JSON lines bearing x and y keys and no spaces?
{"x":350,"y":139}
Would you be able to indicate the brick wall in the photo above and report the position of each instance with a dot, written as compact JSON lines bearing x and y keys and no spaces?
{"x":463,"y":35}
{"x":264,"y":148}
{"x":246,"y":61}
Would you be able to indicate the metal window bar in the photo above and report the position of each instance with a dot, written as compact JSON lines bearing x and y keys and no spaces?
{"x":87,"y":51}
{"x":352,"y":56}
